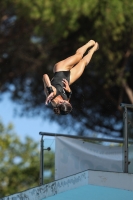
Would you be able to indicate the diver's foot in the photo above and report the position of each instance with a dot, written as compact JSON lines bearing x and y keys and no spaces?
{"x":91,"y":43}
{"x":96,"y":46}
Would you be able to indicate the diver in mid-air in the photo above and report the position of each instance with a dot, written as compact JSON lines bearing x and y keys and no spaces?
{"x":66,"y":72}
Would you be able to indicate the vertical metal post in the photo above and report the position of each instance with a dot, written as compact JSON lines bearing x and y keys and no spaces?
{"x":41,"y":161}
{"x":125,"y":141}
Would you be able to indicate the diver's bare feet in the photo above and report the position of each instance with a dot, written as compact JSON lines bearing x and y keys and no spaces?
{"x":95,"y":47}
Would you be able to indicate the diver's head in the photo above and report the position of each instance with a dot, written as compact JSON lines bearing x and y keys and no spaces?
{"x":63,"y":108}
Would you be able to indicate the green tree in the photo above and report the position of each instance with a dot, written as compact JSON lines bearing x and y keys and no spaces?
{"x":34,"y":35}
{"x":19,"y":162}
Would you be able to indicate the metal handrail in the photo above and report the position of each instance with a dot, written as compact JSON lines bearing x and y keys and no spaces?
{"x":125,"y":106}
{"x":41,"y":160}
{"x":82,"y":137}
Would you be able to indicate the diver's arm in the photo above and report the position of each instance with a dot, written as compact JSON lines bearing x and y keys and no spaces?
{"x":49,"y":90}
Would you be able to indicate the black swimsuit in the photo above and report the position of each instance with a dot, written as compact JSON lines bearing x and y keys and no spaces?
{"x":57,"y":83}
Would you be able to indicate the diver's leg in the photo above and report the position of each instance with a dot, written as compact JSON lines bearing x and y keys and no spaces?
{"x":78,"y":69}
{"x":68,"y":63}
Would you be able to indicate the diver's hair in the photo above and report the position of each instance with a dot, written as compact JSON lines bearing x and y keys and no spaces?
{"x":63,"y":108}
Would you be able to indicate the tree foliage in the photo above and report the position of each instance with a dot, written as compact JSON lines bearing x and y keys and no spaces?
{"x":19,"y":166}
{"x":36,"y":34}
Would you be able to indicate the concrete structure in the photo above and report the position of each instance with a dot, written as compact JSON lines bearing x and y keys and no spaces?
{"x":88,"y":185}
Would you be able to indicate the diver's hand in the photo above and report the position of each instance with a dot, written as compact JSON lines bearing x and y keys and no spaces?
{"x":49,"y":98}
{"x":66,"y":85}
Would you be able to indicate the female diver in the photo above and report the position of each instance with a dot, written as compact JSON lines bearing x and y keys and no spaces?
{"x":66,"y":72}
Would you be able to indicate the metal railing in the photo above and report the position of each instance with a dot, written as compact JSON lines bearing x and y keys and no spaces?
{"x":69,"y":136}
{"x":124,"y":141}
{"x":125,"y":106}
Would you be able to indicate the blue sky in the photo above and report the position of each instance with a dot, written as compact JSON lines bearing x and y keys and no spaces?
{"x":24,"y":126}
